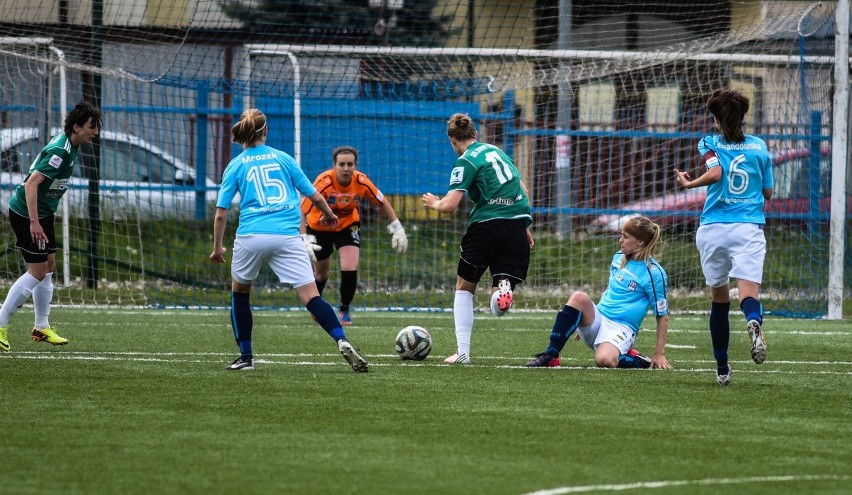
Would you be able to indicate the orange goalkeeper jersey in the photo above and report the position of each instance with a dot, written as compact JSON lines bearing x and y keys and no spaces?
{"x":344,"y":201}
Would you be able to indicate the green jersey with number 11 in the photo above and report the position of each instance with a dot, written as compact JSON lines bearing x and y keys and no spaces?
{"x":492,"y":182}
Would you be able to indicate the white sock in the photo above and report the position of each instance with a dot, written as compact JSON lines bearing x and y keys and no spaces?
{"x":42,"y":297}
{"x":18,"y":294}
{"x":463,"y":314}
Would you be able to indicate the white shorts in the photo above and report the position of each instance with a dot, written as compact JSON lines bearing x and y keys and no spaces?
{"x":731,"y":250}
{"x":605,"y":330}
{"x":285,"y":255}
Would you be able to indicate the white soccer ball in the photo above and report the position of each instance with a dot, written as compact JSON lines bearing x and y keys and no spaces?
{"x":413,"y":343}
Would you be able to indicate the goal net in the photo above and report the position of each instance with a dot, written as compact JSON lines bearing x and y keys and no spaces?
{"x":596,"y":101}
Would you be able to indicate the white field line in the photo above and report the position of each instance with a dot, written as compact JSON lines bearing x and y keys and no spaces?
{"x":223,"y":323}
{"x":705,"y":482}
{"x":319,"y":359}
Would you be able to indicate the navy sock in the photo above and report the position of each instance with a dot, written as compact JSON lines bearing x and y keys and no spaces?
{"x":348,"y":285}
{"x":752,"y":309}
{"x":241,"y":322}
{"x":321,"y":285}
{"x":720,"y":332}
{"x":326,"y":317}
{"x":567,"y":320}
{"x":625,"y":361}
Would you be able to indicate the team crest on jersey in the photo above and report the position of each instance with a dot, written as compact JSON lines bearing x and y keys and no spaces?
{"x":331,"y":200}
{"x":55,"y":161}
{"x":457,"y":175}
{"x":632,"y":285}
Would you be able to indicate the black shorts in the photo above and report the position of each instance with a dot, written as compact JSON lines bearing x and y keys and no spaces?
{"x":498,"y":245}
{"x":30,"y":250}
{"x":329,"y":241}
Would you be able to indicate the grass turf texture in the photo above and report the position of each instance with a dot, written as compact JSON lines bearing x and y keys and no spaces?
{"x":138,"y":402}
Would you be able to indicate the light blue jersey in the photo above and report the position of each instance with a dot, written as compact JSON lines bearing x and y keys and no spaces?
{"x":269,"y":182}
{"x":632,"y":289}
{"x":746,"y":171}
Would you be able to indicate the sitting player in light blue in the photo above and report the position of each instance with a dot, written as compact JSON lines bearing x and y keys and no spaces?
{"x":636,"y":281}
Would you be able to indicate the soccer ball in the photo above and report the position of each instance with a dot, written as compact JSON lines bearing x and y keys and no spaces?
{"x":413,"y":343}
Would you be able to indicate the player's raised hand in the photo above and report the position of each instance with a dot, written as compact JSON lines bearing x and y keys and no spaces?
{"x":429,"y":200}
{"x":682,"y":178}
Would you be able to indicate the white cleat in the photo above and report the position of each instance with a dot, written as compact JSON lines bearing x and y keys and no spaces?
{"x":758,"y":342}
{"x":457,"y":358}
{"x":724,"y":379}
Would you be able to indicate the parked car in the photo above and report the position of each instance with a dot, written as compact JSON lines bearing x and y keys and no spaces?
{"x":790,"y":198}
{"x":136,"y":177}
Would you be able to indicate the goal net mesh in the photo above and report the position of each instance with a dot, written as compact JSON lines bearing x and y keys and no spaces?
{"x":597,"y":104}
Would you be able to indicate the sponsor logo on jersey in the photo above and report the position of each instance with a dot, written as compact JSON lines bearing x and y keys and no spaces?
{"x":55,"y":161}
{"x":331,"y":200}
{"x":501,"y":201}
{"x":662,"y":306}
{"x":380,"y":196}
{"x":59,"y":184}
{"x":457,"y":175}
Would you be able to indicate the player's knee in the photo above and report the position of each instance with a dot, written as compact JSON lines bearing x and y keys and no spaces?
{"x":605,"y":361}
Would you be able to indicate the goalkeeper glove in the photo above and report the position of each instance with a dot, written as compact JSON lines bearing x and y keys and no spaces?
{"x":399,"y":241}
{"x":310,"y":242}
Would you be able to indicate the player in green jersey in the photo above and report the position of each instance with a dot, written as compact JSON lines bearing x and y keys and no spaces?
{"x":498,"y":237}
{"x":31,"y":211}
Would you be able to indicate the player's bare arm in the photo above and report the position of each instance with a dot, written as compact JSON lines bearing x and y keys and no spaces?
{"x":659,"y":360}
{"x":711,"y":176}
{"x":328,"y":216}
{"x":219,"y":222}
{"x":31,"y":191}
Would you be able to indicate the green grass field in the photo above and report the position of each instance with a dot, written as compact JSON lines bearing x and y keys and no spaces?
{"x":138,"y":402}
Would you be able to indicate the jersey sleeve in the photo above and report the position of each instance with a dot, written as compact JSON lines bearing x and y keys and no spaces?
{"x":658,"y":289}
{"x":462,"y":175}
{"x":370,"y":191}
{"x":51,"y":162}
{"x":707,"y":151}
{"x":229,"y":187}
